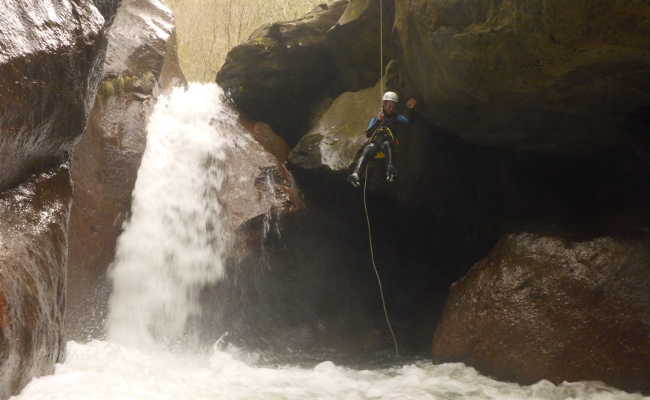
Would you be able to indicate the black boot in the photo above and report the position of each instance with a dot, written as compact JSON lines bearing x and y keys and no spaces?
{"x":368,"y":151}
{"x":391,"y":174}
{"x":354,"y":179}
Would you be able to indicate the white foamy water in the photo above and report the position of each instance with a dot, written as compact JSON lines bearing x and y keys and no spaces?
{"x":107,"y":371}
{"x":173,"y":244}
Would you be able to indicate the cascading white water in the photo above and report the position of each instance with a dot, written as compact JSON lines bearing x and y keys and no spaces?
{"x":172,"y":246}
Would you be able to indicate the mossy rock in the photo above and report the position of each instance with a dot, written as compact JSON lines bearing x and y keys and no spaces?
{"x":548,"y":76}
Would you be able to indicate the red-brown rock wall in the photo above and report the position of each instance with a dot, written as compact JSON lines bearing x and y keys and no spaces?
{"x":33,"y":256}
{"x":51,"y":60}
{"x":50,"y":65}
{"x":141,"y":49}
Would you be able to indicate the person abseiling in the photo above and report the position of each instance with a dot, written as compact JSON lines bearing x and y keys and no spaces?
{"x":382,"y":136}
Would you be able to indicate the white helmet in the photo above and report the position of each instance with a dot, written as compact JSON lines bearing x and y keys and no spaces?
{"x":391,"y":96}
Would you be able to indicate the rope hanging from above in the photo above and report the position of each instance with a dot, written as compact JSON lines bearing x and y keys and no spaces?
{"x":381,"y":48}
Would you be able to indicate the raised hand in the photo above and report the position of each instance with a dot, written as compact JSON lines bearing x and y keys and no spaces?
{"x":411,"y":103}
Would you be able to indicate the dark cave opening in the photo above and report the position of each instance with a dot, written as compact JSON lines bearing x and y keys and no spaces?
{"x":309,"y":289}
{"x":312,"y":290}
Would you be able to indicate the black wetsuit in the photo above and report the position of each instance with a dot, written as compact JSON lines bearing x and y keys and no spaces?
{"x":382,"y":140}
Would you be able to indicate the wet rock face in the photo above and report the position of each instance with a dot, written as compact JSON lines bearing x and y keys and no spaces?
{"x":271,"y":141}
{"x":141,"y":49}
{"x":107,"y":8}
{"x":543,"y":76}
{"x":554,"y":306}
{"x":33,"y":254}
{"x":51,"y":56}
{"x":257,"y":196}
{"x":137,"y":41}
{"x":171,"y":74}
{"x":105,"y":164}
{"x":338,"y":134}
{"x":286,"y":69}
{"x":49,"y":71}
{"x":258,"y":189}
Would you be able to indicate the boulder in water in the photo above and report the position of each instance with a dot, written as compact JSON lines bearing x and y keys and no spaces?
{"x":556,"y":306}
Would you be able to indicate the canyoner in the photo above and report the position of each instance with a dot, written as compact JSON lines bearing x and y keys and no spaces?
{"x":383,"y":138}
{"x":380,"y":145}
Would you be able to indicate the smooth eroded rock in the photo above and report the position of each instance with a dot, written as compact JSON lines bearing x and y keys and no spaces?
{"x":271,"y":141}
{"x":33,"y":255}
{"x":107,"y":8}
{"x":286,"y":69}
{"x":338,"y":134}
{"x":137,"y":40}
{"x":549,"y":305}
{"x":258,"y":189}
{"x":50,"y":65}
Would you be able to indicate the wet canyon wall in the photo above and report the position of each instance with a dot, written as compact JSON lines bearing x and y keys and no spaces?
{"x":70,"y":72}
{"x":51,"y":58}
{"x":141,"y":62}
{"x":531,"y":140}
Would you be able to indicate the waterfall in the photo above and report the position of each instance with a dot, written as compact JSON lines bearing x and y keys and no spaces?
{"x":173,"y":244}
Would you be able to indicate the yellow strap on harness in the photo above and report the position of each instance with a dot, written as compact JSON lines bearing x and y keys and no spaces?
{"x":392,"y":137}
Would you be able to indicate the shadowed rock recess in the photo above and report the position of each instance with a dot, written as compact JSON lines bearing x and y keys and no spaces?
{"x":532,"y":117}
{"x":51,"y":57}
